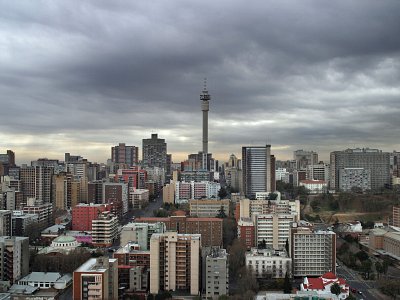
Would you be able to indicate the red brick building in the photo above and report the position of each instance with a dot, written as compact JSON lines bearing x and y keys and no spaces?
{"x":84,"y":214}
{"x":246,"y":232}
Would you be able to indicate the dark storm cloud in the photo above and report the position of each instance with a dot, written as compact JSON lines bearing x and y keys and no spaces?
{"x":306,"y":74}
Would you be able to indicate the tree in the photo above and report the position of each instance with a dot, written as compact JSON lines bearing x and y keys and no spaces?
{"x":272,"y":196}
{"x":379,"y":268}
{"x":287,"y":246}
{"x":247,"y":280}
{"x":287,"y":284}
{"x":262,"y":244}
{"x":362,"y":255}
{"x":335,"y":289}
{"x":222,"y":193}
{"x":236,"y":258}
{"x":390,"y":287}
{"x":351,"y":297}
{"x":229,"y":231}
{"x":221,"y":213}
{"x":366,"y":268}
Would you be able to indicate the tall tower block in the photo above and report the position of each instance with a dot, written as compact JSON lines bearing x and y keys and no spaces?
{"x":205,"y":98}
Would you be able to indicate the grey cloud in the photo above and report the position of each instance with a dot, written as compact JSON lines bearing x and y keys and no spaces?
{"x":323,"y":73}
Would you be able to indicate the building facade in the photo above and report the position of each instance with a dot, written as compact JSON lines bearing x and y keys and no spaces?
{"x":209,"y":228}
{"x":374,"y":160}
{"x":123,"y":154}
{"x":96,"y":279}
{"x":350,"y":178}
{"x":154,"y":152}
{"x":104,"y":229}
{"x":217,"y":273}
{"x":175,"y":262}
{"x":14,"y":258}
{"x":273,"y":229}
{"x":269,"y":263}
{"x":313,"y":252}
{"x":257,"y":168}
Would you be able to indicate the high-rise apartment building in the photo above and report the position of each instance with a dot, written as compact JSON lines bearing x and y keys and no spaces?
{"x":95,"y":192}
{"x":96,"y":279}
{"x":14,"y":258}
{"x":175,"y":262}
{"x":374,"y":160}
{"x":62,"y":190}
{"x":154,"y":152}
{"x":36,"y":183}
{"x":313,"y":251}
{"x":123,"y":154}
{"x":257,"y":170}
{"x":117,"y":194}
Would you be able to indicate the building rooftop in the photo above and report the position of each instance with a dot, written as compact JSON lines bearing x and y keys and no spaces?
{"x":64,"y":239}
{"x":53,"y":229}
{"x":51,"y":277}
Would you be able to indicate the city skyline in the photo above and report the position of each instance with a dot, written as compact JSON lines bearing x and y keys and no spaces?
{"x":83,"y":77}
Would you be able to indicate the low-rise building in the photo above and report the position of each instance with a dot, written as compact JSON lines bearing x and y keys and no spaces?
{"x":175,"y":262}
{"x":314,"y":186}
{"x":47,"y":280}
{"x":324,"y":283}
{"x":269,"y":263}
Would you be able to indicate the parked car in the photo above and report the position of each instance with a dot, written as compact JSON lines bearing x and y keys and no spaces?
{"x":353,"y":290}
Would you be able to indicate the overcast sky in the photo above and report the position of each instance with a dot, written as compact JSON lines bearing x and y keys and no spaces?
{"x":82,"y":76}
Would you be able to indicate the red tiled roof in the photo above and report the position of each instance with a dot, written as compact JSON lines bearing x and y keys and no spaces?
{"x":329,"y":275}
{"x":315,"y":284}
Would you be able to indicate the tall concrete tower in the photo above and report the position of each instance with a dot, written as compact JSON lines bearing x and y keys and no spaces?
{"x":205,"y":98}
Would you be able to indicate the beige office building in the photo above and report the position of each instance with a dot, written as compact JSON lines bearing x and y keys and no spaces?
{"x":208,"y":207}
{"x":249,"y":208}
{"x":175,"y":262}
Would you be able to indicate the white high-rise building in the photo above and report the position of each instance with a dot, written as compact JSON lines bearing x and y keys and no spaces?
{"x":274,"y":229}
{"x":313,"y":252}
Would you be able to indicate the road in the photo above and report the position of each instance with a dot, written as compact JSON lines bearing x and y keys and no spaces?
{"x":146,"y":212}
{"x":354,"y":280}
